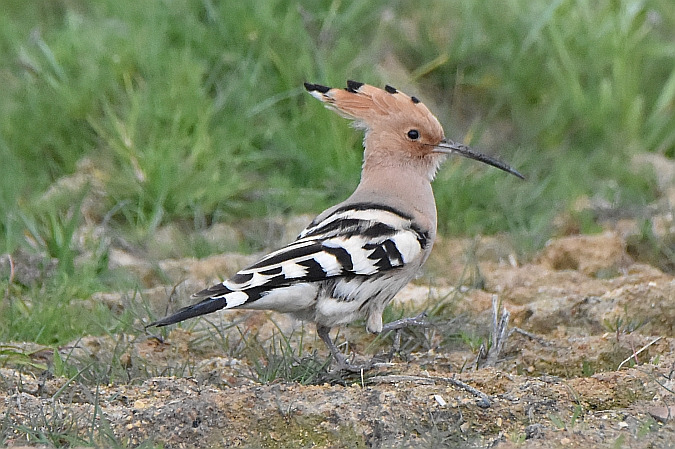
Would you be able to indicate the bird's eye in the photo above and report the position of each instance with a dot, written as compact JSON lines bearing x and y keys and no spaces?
{"x":413,"y":134}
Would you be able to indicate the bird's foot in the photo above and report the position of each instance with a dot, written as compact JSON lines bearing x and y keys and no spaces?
{"x":342,"y":364}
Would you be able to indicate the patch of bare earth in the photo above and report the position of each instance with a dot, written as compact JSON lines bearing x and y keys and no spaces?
{"x":591,"y":364}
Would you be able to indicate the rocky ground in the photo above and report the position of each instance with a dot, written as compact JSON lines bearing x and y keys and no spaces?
{"x":586,"y":358}
{"x":588,"y":361}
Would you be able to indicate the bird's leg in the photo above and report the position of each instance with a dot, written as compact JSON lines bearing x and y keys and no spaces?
{"x":342,"y":363}
{"x":341,"y":359}
{"x":395,"y":347}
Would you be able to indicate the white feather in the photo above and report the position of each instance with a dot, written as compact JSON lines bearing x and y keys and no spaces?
{"x":297,"y":298}
{"x":354,"y":246}
{"x":316,"y":94}
{"x":235,"y":299}
{"x":292,"y":270}
{"x":407,"y":244}
{"x":256,"y":281}
{"x":329,"y":263}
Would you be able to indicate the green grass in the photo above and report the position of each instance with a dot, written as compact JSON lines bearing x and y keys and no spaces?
{"x":133,"y":115}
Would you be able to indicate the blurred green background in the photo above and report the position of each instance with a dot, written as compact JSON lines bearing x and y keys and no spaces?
{"x":131,"y":115}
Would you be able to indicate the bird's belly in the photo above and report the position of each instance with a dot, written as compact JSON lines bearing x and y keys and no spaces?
{"x":345,"y":300}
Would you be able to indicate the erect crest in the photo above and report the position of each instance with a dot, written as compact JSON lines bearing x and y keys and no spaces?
{"x":370,"y":106}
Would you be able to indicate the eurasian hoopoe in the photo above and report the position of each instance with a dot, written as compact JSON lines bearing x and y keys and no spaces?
{"x":354,"y":257}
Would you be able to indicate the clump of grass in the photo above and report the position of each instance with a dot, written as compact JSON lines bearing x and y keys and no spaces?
{"x":48,"y":314}
{"x":18,"y":357}
{"x":52,"y":424}
{"x":653,"y":249}
{"x":623,"y":324}
{"x":561,"y":424}
{"x":280,"y":358}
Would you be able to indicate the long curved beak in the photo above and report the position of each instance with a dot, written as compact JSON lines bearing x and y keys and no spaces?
{"x":449,"y":147}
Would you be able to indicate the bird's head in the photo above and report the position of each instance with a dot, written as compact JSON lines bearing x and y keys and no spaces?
{"x":399,"y":129}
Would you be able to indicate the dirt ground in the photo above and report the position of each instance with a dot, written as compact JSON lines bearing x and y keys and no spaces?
{"x":588,"y":361}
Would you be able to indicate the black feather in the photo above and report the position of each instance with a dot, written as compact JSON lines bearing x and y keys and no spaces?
{"x":317,"y":87}
{"x":201,"y":308}
{"x":353,"y":86}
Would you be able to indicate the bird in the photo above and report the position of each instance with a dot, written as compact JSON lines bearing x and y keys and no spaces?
{"x":354,"y":257}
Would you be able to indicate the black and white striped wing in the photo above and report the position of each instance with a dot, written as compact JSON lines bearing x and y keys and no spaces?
{"x":356,"y":240}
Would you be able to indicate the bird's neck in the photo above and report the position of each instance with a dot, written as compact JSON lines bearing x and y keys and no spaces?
{"x":401,"y":187}
{"x":399,"y":162}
